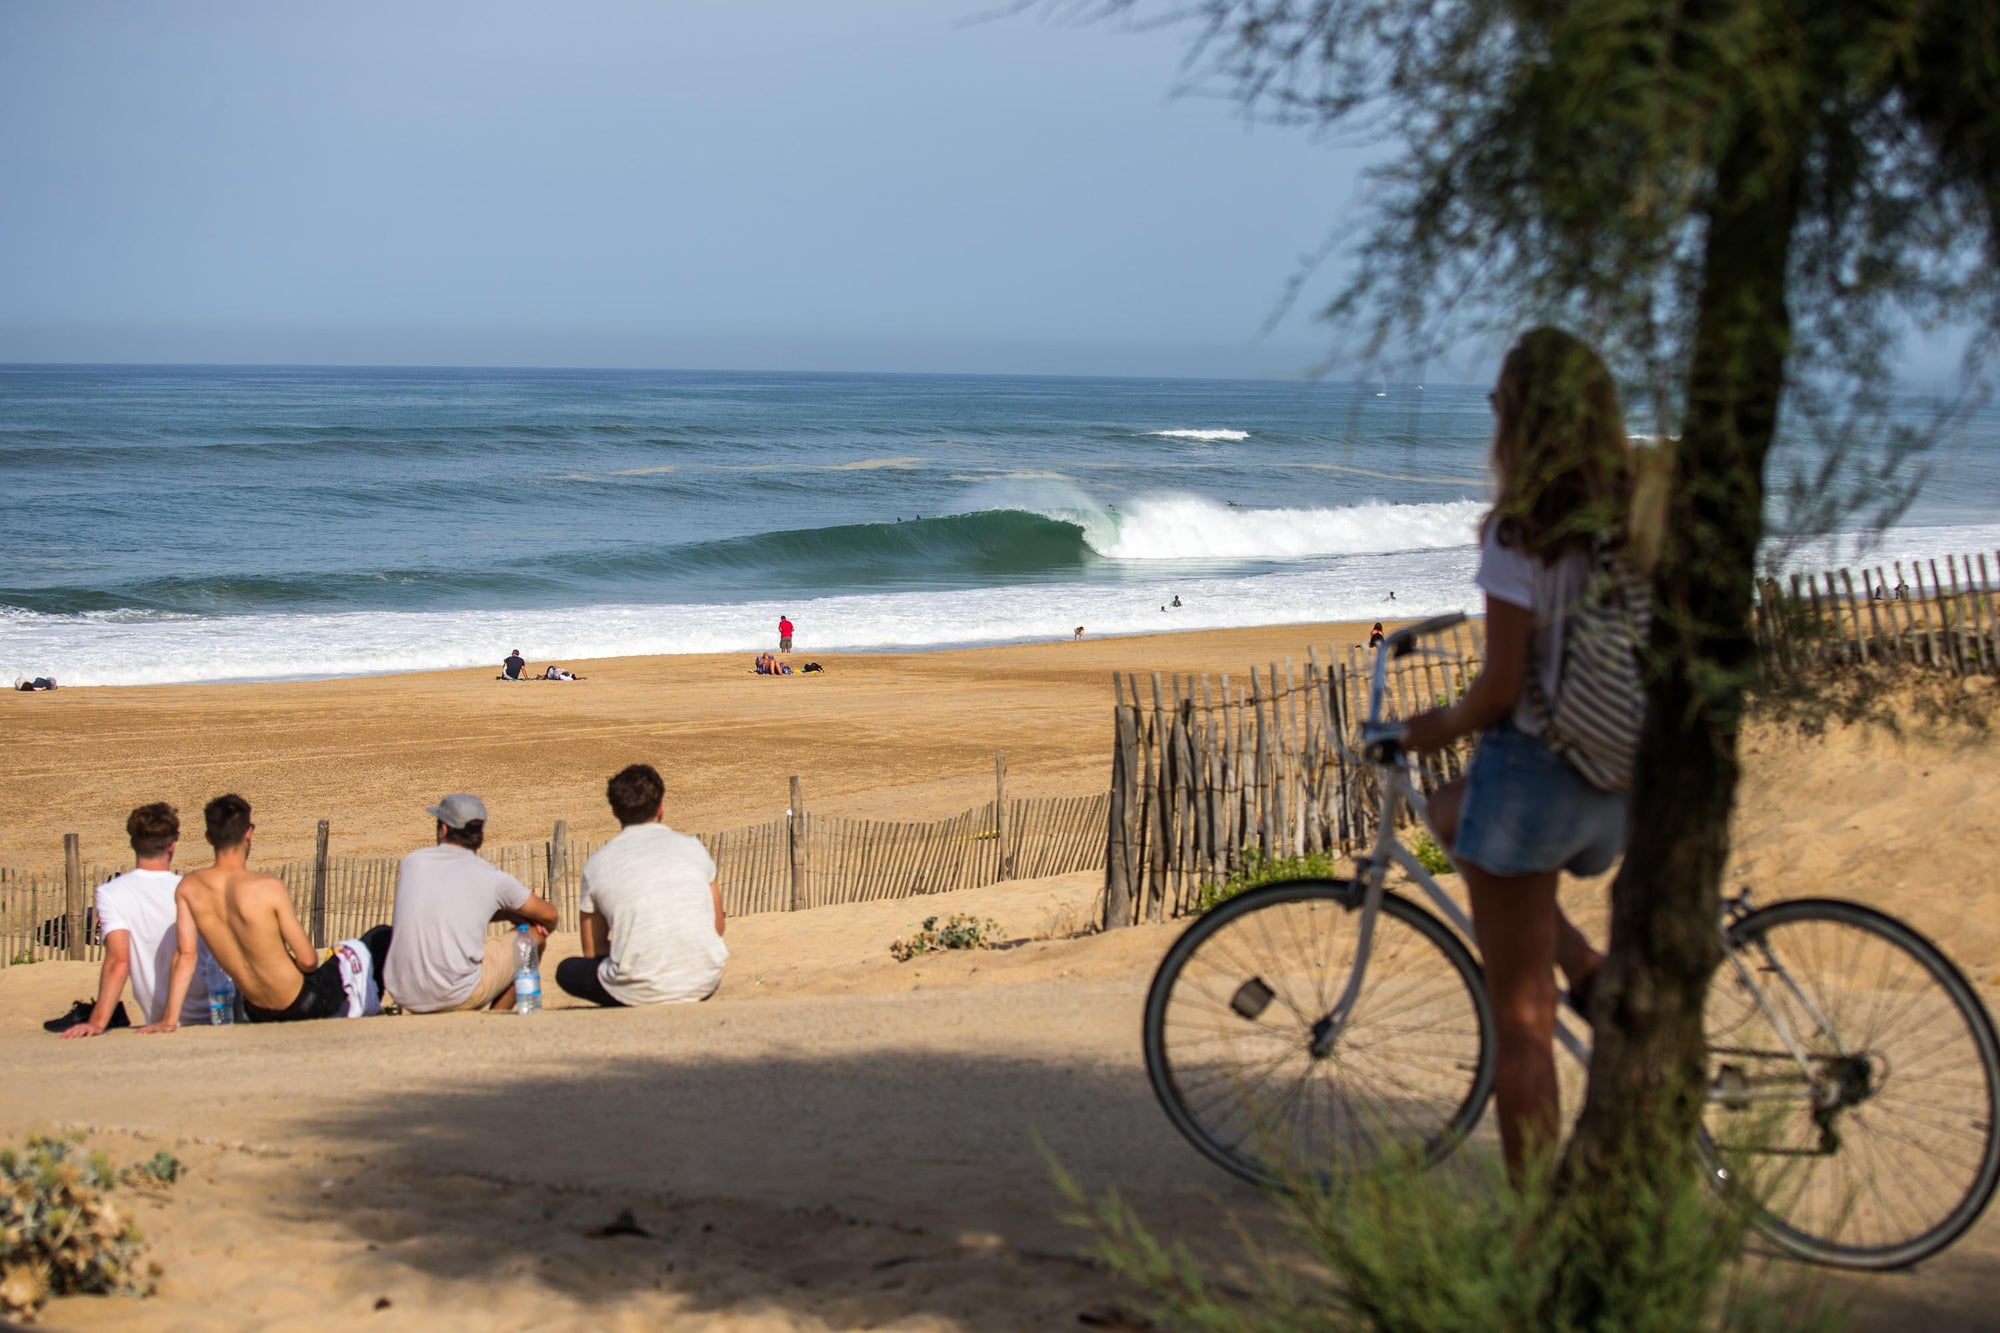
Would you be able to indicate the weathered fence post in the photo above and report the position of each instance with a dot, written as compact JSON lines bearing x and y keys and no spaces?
{"x":316,"y":908}
{"x":1002,"y":825}
{"x":796,"y":827}
{"x":558,"y":867}
{"x":73,"y":904}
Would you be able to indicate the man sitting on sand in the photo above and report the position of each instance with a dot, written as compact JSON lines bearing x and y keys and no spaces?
{"x":136,"y":912}
{"x":512,"y":667}
{"x":247,"y":922}
{"x":651,"y":911}
{"x":441,"y":960}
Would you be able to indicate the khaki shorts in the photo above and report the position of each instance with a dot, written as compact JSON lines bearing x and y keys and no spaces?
{"x":496,"y":974}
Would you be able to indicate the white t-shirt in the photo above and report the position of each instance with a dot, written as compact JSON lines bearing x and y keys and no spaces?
{"x":445,"y":896}
{"x":141,"y":903}
{"x":1547,"y":591}
{"x":651,"y":884}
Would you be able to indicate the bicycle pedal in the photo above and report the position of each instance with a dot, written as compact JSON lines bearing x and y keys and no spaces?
{"x":1252,"y":998}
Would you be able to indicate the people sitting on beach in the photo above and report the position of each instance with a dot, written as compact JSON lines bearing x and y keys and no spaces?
{"x":557,"y":673}
{"x":136,"y":912}
{"x":512,"y":667}
{"x":651,"y":910}
{"x":440,"y":958}
{"x":36,"y":684}
{"x":769,"y":665}
{"x":246,"y":920}
{"x":1375,"y":635}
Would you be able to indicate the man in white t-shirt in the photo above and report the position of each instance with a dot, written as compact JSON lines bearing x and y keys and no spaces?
{"x":441,"y":960}
{"x":651,"y":910}
{"x":136,"y":913}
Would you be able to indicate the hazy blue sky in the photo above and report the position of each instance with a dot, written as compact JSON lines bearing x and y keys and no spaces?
{"x":778,"y":183}
{"x":800,"y":184}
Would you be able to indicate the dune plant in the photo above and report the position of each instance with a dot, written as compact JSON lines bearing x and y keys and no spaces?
{"x":1256,"y":868}
{"x":958,"y":931}
{"x":1411,"y":1250}
{"x":60,"y":1231}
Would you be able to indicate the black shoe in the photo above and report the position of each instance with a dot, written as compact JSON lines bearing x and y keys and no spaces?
{"x":80,"y":1013}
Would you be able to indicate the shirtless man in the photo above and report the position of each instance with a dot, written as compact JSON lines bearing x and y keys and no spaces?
{"x":247,"y":921}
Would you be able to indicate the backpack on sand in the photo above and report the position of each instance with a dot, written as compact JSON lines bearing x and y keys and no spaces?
{"x":1600,"y":705}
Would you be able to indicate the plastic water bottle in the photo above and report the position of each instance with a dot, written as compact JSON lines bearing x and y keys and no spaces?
{"x":221,"y":992}
{"x":527,"y":973}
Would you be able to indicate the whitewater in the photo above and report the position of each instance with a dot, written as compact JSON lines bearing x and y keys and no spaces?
{"x":164,"y":525}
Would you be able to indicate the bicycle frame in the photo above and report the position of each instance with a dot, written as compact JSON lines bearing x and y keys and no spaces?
{"x":1381,"y":749}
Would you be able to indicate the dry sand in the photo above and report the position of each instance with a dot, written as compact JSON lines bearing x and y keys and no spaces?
{"x":835,"y":1141}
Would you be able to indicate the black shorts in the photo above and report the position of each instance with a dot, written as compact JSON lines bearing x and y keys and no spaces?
{"x":578,"y":977}
{"x":321,"y":996}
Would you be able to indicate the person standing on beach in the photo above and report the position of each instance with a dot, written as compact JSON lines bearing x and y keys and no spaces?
{"x":441,"y":960}
{"x":247,"y":922}
{"x":136,"y":913}
{"x":651,"y":911}
{"x":784,"y":634}
{"x":1524,"y":813}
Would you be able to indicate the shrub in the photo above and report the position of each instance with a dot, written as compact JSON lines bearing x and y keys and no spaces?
{"x":959,"y":931}
{"x":60,"y":1233}
{"x":1429,"y":855}
{"x":1450,"y":1250}
{"x":1256,"y":868}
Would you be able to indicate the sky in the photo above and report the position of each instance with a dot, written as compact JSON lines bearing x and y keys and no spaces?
{"x":784,"y":184}
{"x":913,"y":185}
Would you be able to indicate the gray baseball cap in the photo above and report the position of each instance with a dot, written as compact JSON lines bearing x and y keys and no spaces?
{"x":459,"y":809}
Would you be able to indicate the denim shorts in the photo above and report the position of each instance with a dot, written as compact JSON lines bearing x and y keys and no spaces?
{"x":1527,"y":811}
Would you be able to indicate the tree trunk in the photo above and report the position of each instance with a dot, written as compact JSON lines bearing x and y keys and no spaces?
{"x":1634,"y":1143}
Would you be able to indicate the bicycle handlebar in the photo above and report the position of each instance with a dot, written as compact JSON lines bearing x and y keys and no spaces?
{"x":1404,"y":640}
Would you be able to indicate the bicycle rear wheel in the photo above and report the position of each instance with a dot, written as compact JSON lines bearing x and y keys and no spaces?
{"x":1881,"y":1149}
{"x":1243,"y":997}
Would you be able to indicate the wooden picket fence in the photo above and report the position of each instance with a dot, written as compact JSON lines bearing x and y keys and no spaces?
{"x":1946,"y":622}
{"x":794,"y":862}
{"x":1210,"y":775}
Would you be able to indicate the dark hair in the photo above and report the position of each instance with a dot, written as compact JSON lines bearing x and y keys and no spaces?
{"x":228,"y":819}
{"x":469,"y":837}
{"x":153,"y":828}
{"x":635,"y":792}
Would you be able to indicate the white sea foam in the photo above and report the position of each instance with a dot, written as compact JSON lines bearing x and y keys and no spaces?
{"x":1186,"y":527}
{"x":1428,"y":574}
{"x":1209,"y":435}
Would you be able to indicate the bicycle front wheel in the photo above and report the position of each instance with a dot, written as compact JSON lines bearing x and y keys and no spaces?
{"x":1867,"y":1139}
{"x":1254,"y":1066}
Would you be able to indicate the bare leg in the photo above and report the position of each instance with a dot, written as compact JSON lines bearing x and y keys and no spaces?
{"x":1515,"y":919}
{"x":1444,"y":804}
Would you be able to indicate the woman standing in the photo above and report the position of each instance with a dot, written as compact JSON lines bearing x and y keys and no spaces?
{"x":1523,"y":813}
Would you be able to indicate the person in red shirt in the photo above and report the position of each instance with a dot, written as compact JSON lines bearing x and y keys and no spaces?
{"x":784,"y":634}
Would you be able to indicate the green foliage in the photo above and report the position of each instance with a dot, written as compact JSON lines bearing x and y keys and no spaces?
{"x":1429,"y":855}
{"x":959,"y":931}
{"x":1255,"y":868}
{"x":60,"y":1233}
{"x":1407,"y":1250}
{"x":23,"y":957}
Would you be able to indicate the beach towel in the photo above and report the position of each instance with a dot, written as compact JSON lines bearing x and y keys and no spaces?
{"x":357,"y":978}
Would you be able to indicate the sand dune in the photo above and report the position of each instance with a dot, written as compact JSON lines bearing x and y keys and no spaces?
{"x":835,"y":1141}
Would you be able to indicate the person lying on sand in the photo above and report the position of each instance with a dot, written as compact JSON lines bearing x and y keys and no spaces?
{"x":247,"y":922}
{"x":651,"y":910}
{"x":441,"y":960}
{"x":557,"y":673}
{"x":137,"y":914}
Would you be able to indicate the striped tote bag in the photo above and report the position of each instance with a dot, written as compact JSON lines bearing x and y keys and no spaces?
{"x":1600,"y":705}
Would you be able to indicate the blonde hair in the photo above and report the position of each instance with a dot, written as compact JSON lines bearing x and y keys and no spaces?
{"x":1560,"y":451}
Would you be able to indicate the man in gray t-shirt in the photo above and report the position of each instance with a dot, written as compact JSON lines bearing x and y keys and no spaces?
{"x":440,"y":957}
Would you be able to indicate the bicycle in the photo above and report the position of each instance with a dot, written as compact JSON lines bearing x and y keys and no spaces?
{"x":1854,"y":1075}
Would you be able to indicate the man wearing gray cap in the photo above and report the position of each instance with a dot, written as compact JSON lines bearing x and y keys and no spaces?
{"x":441,"y":959}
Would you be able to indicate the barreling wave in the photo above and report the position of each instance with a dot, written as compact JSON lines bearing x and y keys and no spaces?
{"x":982,"y":548}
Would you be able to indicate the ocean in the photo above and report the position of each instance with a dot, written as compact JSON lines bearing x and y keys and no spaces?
{"x":170,"y":524}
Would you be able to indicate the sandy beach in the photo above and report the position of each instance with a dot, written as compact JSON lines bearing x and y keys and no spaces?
{"x":835,"y":1141}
